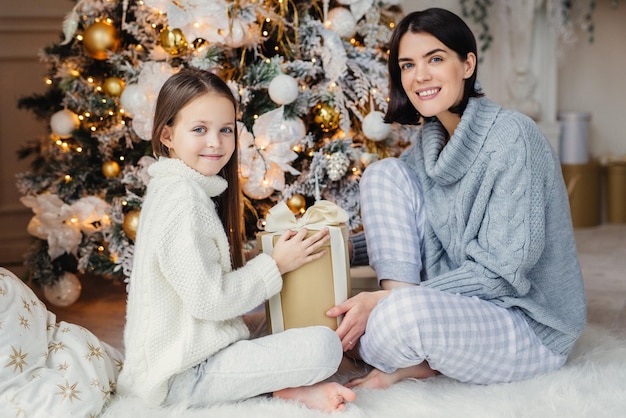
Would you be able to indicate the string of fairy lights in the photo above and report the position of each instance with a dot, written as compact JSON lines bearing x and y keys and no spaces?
{"x":310,"y":111}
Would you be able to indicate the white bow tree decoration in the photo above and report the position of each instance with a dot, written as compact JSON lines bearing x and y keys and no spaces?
{"x":63,"y":225}
{"x":266,"y":155}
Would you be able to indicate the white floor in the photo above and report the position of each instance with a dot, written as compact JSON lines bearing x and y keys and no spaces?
{"x":602,"y":255}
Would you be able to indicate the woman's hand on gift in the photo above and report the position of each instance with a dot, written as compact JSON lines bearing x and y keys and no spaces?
{"x":293,"y":248}
{"x":356,"y":311}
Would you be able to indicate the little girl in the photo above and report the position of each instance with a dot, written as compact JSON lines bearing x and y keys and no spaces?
{"x":185,"y":338}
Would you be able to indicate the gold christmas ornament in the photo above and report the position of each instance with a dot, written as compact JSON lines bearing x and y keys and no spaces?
{"x":326,"y":116}
{"x":99,"y":39}
{"x":110,"y":169}
{"x":296,"y":203}
{"x":173,"y":41}
{"x":131,"y":223}
{"x":113,"y":86}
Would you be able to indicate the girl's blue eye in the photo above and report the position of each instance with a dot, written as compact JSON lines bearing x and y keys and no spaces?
{"x":437,"y":59}
{"x":406,"y":66}
{"x":227,"y":130}
{"x":199,"y":129}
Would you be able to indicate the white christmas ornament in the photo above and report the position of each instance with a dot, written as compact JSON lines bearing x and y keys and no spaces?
{"x":283,"y":89}
{"x":64,"y":292}
{"x":341,"y":21}
{"x":160,"y":5}
{"x":132,"y":99}
{"x":338,"y":164}
{"x":139,"y":99}
{"x":374,"y":126}
{"x":257,"y":185}
{"x":64,"y":122}
{"x":358,"y":7}
{"x":292,"y":129}
{"x":199,"y":18}
{"x":334,"y":55}
{"x":265,"y":154}
{"x":238,"y":35}
{"x":63,"y":225}
{"x":367,"y":158}
{"x":70,"y":24}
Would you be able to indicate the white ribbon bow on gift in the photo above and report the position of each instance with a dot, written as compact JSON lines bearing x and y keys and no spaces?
{"x":322,"y":213}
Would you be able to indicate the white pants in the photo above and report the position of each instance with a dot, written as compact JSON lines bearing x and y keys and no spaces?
{"x":247,"y":368}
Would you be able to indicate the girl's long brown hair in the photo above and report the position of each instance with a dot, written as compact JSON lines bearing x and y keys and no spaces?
{"x":178,"y":90}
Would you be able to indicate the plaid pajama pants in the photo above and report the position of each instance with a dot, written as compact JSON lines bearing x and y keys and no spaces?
{"x":465,"y":338}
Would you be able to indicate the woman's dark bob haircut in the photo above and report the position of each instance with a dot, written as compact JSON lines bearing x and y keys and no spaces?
{"x":454,"y":33}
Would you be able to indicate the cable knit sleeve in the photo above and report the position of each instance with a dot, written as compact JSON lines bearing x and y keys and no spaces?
{"x":194,"y":255}
{"x":502,"y":200}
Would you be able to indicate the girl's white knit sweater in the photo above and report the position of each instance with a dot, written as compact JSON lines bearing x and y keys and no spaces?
{"x":185,"y":302}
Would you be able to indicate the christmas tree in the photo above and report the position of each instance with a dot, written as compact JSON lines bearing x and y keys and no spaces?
{"x":311,"y":77}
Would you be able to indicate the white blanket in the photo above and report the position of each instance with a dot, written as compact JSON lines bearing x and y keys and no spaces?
{"x":592,"y":384}
{"x":49,"y":369}
{"x":59,"y":370}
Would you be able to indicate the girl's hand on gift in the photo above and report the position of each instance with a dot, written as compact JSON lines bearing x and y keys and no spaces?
{"x":356,"y":311}
{"x":293,"y":248}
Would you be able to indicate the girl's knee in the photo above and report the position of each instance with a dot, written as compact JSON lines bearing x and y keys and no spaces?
{"x":325,"y":347}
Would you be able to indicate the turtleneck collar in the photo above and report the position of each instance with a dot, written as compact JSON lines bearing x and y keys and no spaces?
{"x":165,"y":167}
{"x":448,"y":163}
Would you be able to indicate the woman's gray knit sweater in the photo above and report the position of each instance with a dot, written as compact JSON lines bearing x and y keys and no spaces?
{"x":498,"y":222}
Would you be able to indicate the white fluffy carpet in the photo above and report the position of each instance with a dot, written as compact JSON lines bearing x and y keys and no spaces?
{"x":591,"y":384}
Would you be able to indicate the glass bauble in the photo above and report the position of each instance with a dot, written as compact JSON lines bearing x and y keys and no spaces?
{"x":110,"y":169}
{"x":131,"y":223}
{"x":99,"y":39}
{"x":64,"y":291}
{"x":374,"y":126}
{"x":283,"y":89}
{"x":173,"y":41}
{"x":341,"y":21}
{"x":64,"y":122}
{"x":113,"y":86}
{"x":326,"y":116}
{"x":296,"y":203}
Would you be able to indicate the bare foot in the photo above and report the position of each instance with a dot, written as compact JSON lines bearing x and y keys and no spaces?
{"x":324,"y":396}
{"x":381,"y":380}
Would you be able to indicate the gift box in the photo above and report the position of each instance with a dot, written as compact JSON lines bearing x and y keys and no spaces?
{"x":616,"y":193}
{"x":310,"y":290}
{"x":583,"y":189}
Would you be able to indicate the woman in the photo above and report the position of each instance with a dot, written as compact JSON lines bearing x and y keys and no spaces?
{"x":469,"y":231}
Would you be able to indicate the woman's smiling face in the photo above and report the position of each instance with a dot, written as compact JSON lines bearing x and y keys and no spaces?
{"x":433,"y":75}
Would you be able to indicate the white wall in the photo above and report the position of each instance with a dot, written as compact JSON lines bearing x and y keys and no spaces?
{"x":589,"y":77}
{"x":592,"y":78}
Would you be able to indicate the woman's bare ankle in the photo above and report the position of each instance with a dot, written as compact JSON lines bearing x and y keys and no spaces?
{"x":420,"y":371}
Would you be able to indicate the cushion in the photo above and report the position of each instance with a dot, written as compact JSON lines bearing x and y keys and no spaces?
{"x":49,"y":369}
